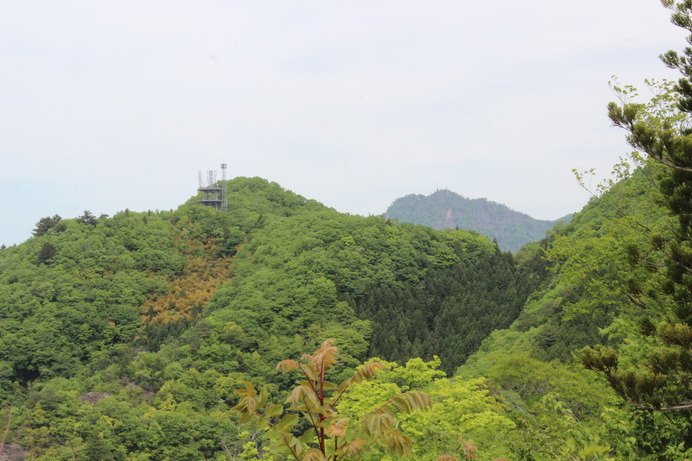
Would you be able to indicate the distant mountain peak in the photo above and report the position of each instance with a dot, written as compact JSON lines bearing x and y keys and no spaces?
{"x":445,"y":209}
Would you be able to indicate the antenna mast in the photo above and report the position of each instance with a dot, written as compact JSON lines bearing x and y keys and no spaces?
{"x":224,"y":192}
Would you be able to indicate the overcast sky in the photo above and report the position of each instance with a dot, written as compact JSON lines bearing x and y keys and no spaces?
{"x":107,"y":105}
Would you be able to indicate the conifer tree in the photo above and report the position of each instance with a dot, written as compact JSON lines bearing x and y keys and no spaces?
{"x":45,"y":224}
{"x":663,"y":381}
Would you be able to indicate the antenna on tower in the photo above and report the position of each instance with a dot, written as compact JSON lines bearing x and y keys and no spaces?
{"x":224,"y":196}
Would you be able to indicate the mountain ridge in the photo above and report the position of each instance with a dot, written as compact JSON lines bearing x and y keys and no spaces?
{"x":165,"y":314}
{"x":445,"y":209}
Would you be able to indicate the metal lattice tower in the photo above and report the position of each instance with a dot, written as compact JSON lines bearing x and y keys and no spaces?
{"x":212,"y":194}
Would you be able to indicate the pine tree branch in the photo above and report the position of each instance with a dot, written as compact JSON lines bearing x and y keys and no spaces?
{"x":680,"y":407}
{"x":669,"y":164}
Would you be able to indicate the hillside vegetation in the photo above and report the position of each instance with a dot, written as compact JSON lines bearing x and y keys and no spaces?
{"x":126,"y":337}
{"x":283,"y":329}
{"x":165,"y":314}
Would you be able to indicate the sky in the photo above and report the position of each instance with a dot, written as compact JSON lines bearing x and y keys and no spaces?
{"x":109,"y":105}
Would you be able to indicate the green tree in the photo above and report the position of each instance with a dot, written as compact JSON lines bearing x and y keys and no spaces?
{"x":46,"y":252}
{"x":465,"y":416}
{"x":88,"y":218}
{"x":45,"y":224}
{"x":312,"y":412}
{"x":659,"y":379}
{"x":660,"y":130}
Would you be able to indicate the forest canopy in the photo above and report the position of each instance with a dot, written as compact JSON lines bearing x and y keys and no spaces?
{"x":156,"y":335}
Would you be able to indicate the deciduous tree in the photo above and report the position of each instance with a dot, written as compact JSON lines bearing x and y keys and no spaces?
{"x":313,"y":405}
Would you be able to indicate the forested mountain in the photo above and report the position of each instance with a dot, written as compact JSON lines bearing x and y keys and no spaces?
{"x":126,"y":337}
{"x":594,"y":298}
{"x":445,"y":209}
{"x":130,"y":308}
{"x":189,"y":334}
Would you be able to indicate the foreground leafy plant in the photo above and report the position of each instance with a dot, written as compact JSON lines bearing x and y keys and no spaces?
{"x":311,"y":429}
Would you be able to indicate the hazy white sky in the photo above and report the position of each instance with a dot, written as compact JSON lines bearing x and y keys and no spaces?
{"x":107,"y":105}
